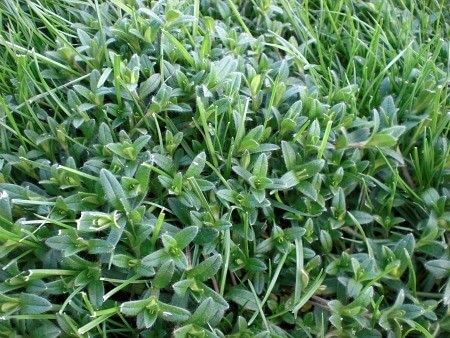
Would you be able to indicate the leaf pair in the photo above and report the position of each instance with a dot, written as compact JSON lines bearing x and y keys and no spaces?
{"x":172,"y":250}
{"x":148,"y":310}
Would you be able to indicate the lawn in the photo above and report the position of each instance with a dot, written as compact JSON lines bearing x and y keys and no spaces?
{"x":233,"y":168}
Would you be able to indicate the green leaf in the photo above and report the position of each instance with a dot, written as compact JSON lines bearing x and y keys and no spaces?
{"x":134,"y":307}
{"x":353,"y":288}
{"x":293,"y":233}
{"x":338,"y":203}
{"x":368,"y":333}
{"x":289,"y":155}
{"x":131,"y":186}
{"x":156,"y":258}
{"x":245,"y":174}
{"x":362,"y":217}
{"x":122,"y":261}
{"x":255,"y":265}
{"x":179,"y":259}
{"x":120,"y":150}
{"x":290,"y":179}
{"x":143,"y":177}
{"x":204,"y":313}
{"x":381,"y":140}
{"x":168,"y":241}
{"x":96,"y":291}
{"x":261,"y":166}
{"x":182,"y":286}
{"x":99,"y":246}
{"x":173,"y":313}
{"x":227,"y":195}
{"x":259,"y":194}
{"x":218,"y":299}
{"x":33,"y":304}
{"x":104,"y":77}
{"x":182,"y":51}
{"x":47,"y":330}
{"x":411,"y":311}
{"x":149,"y":86}
{"x":5,"y":206}
{"x":60,"y":242}
{"x":145,"y":319}
{"x":184,"y":331}
{"x":446,"y":294}
{"x":308,"y":190}
{"x":439,"y":268}
{"x":82,"y":90}
{"x":164,"y":163}
{"x":336,"y":321}
{"x":141,"y":142}
{"x":164,"y":275}
{"x":430,"y":196}
{"x":287,"y":126}
{"x":326,"y":241}
{"x":180,"y":210}
{"x":247,"y":144}
{"x":395,"y":131}
{"x":206,"y":269}
{"x":113,"y":191}
{"x":186,"y":236}
{"x":206,"y":236}
{"x":243,"y":297}
{"x":97,"y":221}
{"x":309,"y":169}
{"x":116,"y":232}
{"x":197,"y":166}
{"x":388,"y":105}
{"x":264,"y":148}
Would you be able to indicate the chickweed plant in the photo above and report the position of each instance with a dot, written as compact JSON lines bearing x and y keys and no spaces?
{"x":235,"y":168}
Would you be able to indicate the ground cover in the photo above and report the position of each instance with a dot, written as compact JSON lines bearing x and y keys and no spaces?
{"x":202,"y":168}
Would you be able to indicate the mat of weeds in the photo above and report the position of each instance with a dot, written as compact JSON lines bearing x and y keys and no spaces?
{"x":201,"y":168}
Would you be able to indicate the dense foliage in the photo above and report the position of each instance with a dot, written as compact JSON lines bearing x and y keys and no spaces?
{"x":240,"y":168}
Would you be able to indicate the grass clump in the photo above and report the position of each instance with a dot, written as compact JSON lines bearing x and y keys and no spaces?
{"x":272,"y":168}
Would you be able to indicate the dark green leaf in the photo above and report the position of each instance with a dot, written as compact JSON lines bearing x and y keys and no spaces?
{"x":134,"y":307}
{"x":164,"y":274}
{"x":156,"y":258}
{"x":173,"y":313}
{"x":114,"y":191}
{"x":33,"y":304}
{"x":243,"y":297}
{"x":197,"y":165}
{"x":205,"y":311}
{"x":289,"y":155}
{"x":206,"y":269}
{"x":440,"y":268}
{"x":186,"y":236}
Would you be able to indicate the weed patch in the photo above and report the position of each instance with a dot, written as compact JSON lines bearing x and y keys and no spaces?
{"x":200,"y":168}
